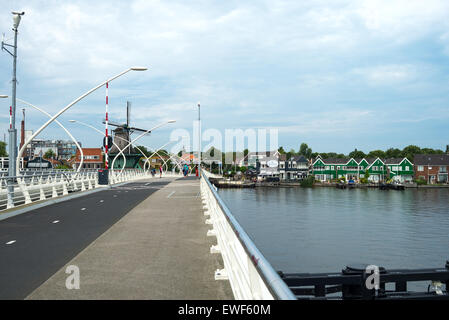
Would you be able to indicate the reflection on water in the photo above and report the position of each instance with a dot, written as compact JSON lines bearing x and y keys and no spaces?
{"x":325,"y":229}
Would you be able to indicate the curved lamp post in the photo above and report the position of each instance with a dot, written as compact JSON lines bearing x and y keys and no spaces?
{"x":156,"y":152}
{"x":165,"y":161}
{"x":57,"y":122}
{"x":140,"y":136}
{"x":66,"y":108}
{"x":113,"y":142}
{"x":63,"y":128}
{"x":102,"y":133}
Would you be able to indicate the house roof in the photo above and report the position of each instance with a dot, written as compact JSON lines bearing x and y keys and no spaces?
{"x":300,"y":158}
{"x":431,"y":159}
{"x":90,"y":151}
{"x":335,"y":160}
{"x":393,"y":160}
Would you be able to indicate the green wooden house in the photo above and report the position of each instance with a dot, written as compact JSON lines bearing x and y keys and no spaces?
{"x":349,"y":168}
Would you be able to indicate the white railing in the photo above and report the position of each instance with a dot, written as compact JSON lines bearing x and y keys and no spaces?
{"x":251,"y":276}
{"x":34,"y":186}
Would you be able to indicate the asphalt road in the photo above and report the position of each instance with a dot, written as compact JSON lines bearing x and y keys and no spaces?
{"x":36,"y":244}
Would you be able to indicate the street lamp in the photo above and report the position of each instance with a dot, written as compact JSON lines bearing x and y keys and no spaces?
{"x":49,"y":115}
{"x":70,"y":105}
{"x":17,"y":16}
{"x":140,"y":136}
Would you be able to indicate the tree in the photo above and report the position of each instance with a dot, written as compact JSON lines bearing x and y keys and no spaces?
{"x":49,"y":154}
{"x":357,"y":154}
{"x":290,"y":154}
{"x":393,"y":153}
{"x":3,"y":152}
{"x":410,"y":151}
{"x":281,"y":150}
{"x":144,"y":150}
{"x":376,"y":154}
{"x":305,"y":151}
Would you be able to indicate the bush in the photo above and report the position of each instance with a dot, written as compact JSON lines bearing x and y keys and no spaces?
{"x":420,"y":182}
{"x":308,"y":182}
{"x":364,"y":180}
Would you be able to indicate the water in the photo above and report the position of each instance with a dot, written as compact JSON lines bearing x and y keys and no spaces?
{"x":325,"y":229}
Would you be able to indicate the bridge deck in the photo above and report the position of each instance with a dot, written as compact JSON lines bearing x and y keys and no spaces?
{"x":158,"y":250}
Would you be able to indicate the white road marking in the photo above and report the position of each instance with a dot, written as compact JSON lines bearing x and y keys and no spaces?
{"x":114,"y":195}
{"x":171,"y":194}
{"x":56,"y":221}
{"x":82,"y":209}
{"x":101,"y":200}
{"x":11,"y":242}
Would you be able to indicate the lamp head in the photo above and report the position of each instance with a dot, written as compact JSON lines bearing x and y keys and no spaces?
{"x":72,"y":121}
{"x":16,"y":18}
{"x":139,"y":68}
{"x":3,"y":96}
{"x":171,"y":121}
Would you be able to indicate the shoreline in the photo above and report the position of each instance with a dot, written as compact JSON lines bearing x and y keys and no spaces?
{"x":249,"y":184}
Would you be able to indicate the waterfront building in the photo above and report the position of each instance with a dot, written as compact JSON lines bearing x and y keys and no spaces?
{"x":399,"y":169}
{"x":295,"y":168}
{"x":433,"y":168}
{"x":266,"y":163}
{"x":379,"y":170}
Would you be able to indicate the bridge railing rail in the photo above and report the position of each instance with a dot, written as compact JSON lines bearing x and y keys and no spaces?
{"x":32,"y":186}
{"x":250,"y":275}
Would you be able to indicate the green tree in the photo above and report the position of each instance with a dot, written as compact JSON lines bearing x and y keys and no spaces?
{"x":393,"y":153}
{"x":357,"y":154}
{"x":281,"y":150}
{"x":376,"y":153}
{"x":410,"y":151}
{"x":3,"y":152}
{"x":305,"y":151}
{"x":290,"y":154}
{"x":49,"y":154}
{"x":145,"y":150}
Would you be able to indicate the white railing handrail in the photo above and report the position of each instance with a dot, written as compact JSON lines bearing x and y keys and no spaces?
{"x":275,"y":285}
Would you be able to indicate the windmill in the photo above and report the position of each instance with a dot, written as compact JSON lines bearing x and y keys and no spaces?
{"x":122,"y":137}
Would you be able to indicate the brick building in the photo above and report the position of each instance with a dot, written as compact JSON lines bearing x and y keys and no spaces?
{"x":93,"y":158}
{"x":433,"y":168}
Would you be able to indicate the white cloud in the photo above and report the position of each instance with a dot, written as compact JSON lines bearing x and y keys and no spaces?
{"x":386,"y":74}
{"x":242,"y":60}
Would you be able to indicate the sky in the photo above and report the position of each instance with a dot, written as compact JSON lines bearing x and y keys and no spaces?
{"x":337,"y":75}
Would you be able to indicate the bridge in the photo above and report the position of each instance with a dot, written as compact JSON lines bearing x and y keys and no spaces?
{"x":141,"y":237}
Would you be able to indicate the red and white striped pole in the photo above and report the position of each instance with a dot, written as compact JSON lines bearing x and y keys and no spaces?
{"x":106,"y":128}
{"x":10,"y":117}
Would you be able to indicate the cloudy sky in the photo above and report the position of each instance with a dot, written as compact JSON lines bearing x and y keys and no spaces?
{"x":336,"y":74}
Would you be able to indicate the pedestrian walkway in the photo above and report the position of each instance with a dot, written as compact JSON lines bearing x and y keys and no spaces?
{"x":159,"y":250}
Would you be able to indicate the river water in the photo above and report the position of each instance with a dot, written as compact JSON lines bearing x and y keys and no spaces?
{"x":325,"y":229}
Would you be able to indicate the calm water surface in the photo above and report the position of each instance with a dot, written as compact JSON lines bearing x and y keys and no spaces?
{"x":325,"y":229}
